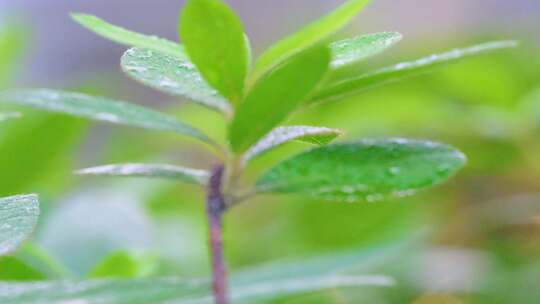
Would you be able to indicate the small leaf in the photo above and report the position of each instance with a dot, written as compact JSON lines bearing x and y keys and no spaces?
{"x":308,"y":36}
{"x":9,"y":115}
{"x":123,"y":264}
{"x":150,"y":171}
{"x":14,"y":269}
{"x":18,"y":218}
{"x":99,"y":108}
{"x":349,"y":51}
{"x":281,"y":135}
{"x":348,"y":87}
{"x":214,"y":39}
{"x":367,"y":170}
{"x":42,"y":261}
{"x":172,"y":75}
{"x":276,"y":95}
{"x":129,"y":38}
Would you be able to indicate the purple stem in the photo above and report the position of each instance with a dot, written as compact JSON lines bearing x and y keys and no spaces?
{"x":215,"y":207}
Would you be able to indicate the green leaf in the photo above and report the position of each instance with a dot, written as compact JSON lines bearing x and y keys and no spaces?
{"x":129,"y":38}
{"x":172,"y":75}
{"x":214,"y":39}
{"x":276,"y":95}
{"x":18,"y":218}
{"x":282,"y":135}
{"x":348,"y":87}
{"x":123,"y":264}
{"x":368,"y":170}
{"x":254,"y":285}
{"x":14,"y":269}
{"x":166,"y":290}
{"x":41,"y":261}
{"x":307,"y":37}
{"x":150,"y":171}
{"x":349,"y":51}
{"x":99,"y":108}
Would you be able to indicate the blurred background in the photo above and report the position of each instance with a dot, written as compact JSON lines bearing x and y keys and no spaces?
{"x":475,"y":239}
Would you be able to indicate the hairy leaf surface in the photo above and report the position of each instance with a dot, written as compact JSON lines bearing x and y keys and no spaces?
{"x":172,"y":75}
{"x":18,"y":218}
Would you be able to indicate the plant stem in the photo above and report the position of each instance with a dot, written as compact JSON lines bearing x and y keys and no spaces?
{"x":215,"y":207}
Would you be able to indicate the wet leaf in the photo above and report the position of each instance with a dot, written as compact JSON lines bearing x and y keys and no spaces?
{"x":367,"y":170}
{"x":172,"y":75}
{"x":276,"y":95}
{"x":282,"y":135}
{"x":127,"y":37}
{"x":352,"y":50}
{"x":150,"y":171}
{"x":101,"y":109}
{"x":348,"y":87}
{"x":215,"y":41}
{"x":18,"y":218}
{"x":307,"y":37}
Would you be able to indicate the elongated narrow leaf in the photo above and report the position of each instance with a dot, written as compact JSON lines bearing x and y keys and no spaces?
{"x":18,"y":218}
{"x":172,"y":75}
{"x":127,"y":37}
{"x":150,"y":171}
{"x":254,"y":285}
{"x":349,"y":51}
{"x":275,"y":96}
{"x":281,"y":135}
{"x":215,"y":41}
{"x":308,"y":36}
{"x":9,"y":115}
{"x":368,"y":170}
{"x":99,"y":108}
{"x":348,"y":87}
{"x":172,"y":290}
{"x":14,"y":269}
